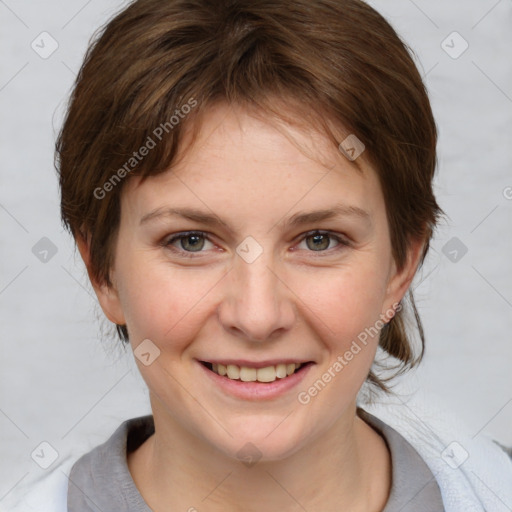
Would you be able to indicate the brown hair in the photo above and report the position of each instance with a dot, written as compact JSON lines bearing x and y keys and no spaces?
{"x":334,"y":61}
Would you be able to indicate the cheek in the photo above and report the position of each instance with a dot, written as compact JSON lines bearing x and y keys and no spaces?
{"x":161,"y":303}
{"x":344,"y":310}
{"x":346,"y":301}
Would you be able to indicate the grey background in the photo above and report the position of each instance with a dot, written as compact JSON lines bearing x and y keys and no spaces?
{"x":63,"y":381}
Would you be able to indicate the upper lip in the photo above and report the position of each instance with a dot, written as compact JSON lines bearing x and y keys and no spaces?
{"x":256,"y":364}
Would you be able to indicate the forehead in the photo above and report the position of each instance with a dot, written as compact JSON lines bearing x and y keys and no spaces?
{"x":240,"y":159}
{"x":225,"y":128}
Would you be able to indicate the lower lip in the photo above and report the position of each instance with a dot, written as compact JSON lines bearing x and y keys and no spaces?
{"x":257,"y":390}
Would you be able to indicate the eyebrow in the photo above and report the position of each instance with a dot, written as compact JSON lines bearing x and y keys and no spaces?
{"x":296,"y":219}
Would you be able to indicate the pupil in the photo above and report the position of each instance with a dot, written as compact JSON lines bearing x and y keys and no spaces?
{"x":195,"y":245}
{"x":318,"y":242}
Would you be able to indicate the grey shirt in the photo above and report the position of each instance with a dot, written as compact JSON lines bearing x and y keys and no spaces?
{"x":100,"y":480}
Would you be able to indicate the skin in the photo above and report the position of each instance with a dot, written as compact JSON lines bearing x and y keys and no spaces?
{"x":291,"y":302}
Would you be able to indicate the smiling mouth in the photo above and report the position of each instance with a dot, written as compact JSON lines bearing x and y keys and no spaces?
{"x":247,"y":374}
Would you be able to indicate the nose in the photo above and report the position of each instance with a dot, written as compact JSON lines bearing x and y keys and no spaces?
{"x":257,"y":304}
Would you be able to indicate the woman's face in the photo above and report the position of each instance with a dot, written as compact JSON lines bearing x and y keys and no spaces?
{"x":266,"y":279}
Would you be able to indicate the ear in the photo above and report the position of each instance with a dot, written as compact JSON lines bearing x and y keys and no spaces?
{"x":108,"y":296}
{"x":399,"y":281}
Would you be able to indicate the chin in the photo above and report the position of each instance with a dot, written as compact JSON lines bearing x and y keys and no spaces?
{"x":264,"y":439}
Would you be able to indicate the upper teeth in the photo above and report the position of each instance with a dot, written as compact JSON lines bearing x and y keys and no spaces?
{"x":246,"y":374}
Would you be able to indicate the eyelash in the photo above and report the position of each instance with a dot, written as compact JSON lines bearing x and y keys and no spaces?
{"x":343,"y":242}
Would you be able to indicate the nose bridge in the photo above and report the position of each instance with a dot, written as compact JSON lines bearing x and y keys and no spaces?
{"x":256,"y":303}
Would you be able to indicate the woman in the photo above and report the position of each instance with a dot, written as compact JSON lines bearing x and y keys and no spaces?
{"x":250,"y":187}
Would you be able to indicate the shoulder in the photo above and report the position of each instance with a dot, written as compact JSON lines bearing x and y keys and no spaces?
{"x":470,"y":470}
{"x":414,"y":487}
{"x":101,"y":480}
{"x":80,"y":468}
{"x":46,"y":493}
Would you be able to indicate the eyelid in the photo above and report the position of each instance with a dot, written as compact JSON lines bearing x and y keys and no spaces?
{"x":333,"y":234}
{"x":168,"y":240}
{"x":183,"y":234}
{"x":342,"y":240}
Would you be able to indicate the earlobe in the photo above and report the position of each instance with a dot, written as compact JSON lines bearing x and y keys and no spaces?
{"x":108,"y":296}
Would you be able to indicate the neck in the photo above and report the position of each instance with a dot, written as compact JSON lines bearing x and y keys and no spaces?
{"x":349,"y":464}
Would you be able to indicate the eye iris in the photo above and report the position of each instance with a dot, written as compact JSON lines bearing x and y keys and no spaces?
{"x":318,"y":239}
{"x":196,"y":245}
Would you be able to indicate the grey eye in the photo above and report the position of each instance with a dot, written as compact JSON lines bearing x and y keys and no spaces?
{"x":193,"y":242}
{"x":319,"y":241}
